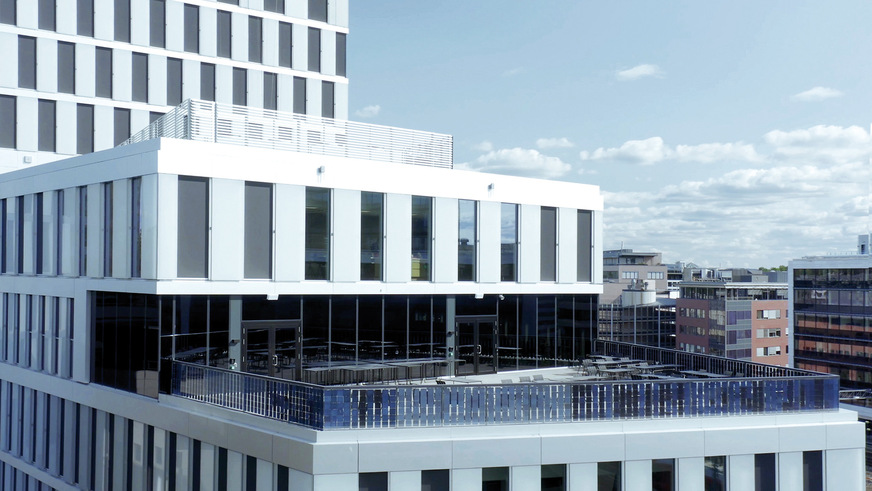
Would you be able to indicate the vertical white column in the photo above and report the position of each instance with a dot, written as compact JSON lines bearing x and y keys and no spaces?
{"x":345,"y":235}
{"x":790,"y":470}
{"x":404,"y":480}
{"x":691,"y":472}
{"x":398,"y":238}
{"x":529,"y":244}
{"x":443,"y":262}
{"x":234,"y":471}
{"x":844,"y":469}
{"x":336,"y":482}
{"x":582,"y":477}
{"x":290,"y":222}
{"x":637,"y":474}
{"x":121,"y":231}
{"x":525,"y":477}
{"x":466,"y":480}
{"x":740,"y":472}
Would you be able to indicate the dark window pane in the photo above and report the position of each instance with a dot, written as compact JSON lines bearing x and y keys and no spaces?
{"x":341,"y":40}
{"x":108,"y":213}
{"x":7,"y":11}
{"x":255,"y":39}
{"x":224,"y":34}
{"x":193,"y":252}
{"x":240,"y":86}
{"x":103,"y":76}
{"x":508,"y":242}
{"x":85,"y":17}
{"x":192,"y":28}
{"x":122,"y":125}
{"x":174,"y":81}
{"x":314,"y":49}
{"x":663,"y":474}
{"x":764,"y":472}
{"x":274,"y":6}
{"x":466,"y":240}
{"x":26,"y":62}
{"x":371,"y":234}
{"x":299,"y":95}
{"x":84,"y":128}
{"x":716,"y":473}
{"x":435,"y":480}
{"x":318,"y":10}
{"x":554,"y":478}
{"x":153,"y":116}
{"x":812,"y":471}
{"x":584,"y":244}
{"x":207,"y":81}
{"x":609,"y":476}
{"x":157,"y":23}
{"x":140,"y":77}
{"x":317,"y":233}
{"x":232,"y":2}
{"x":122,"y":20}
{"x":422,"y":237}
{"x":66,"y":67}
{"x":135,"y":223}
{"x":47,"y":14}
{"x":270,"y":91}
{"x":328,"y":97}
{"x":373,"y":481}
{"x":258,"y":230}
{"x":286,"y":44}
{"x":46,"y":126}
{"x":7,"y":121}
{"x":548,"y":244}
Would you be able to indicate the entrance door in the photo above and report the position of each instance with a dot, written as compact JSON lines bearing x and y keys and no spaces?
{"x":476,"y":344}
{"x":270,"y":348}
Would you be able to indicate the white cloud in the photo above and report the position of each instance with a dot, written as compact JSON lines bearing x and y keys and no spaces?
{"x":546,"y":143}
{"x":484,"y":146}
{"x":368,"y":111}
{"x":645,"y":152}
{"x":639,"y":71}
{"x":653,"y":150}
{"x":833,"y":144}
{"x":519,"y":162}
{"x":815,"y":94}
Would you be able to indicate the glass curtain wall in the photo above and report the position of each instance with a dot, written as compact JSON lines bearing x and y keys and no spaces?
{"x":371,"y":235}
{"x":317,"y":234}
{"x":422,"y":233}
{"x":466,"y":240}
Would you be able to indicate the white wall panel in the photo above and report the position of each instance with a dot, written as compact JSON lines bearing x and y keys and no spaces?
{"x":27,"y":14}
{"x":104,"y":19}
{"x":597,"y":261}
{"x":208,"y":31}
{"x":285,"y":93}
{"x":255,"y":4}
{"x":228,"y":217}
{"x":691,"y":472}
{"x":790,"y":470}
{"x":637,"y":474}
{"x":328,"y":52}
{"x":583,"y":477}
{"x":101,"y":437}
{"x":265,"y":475}
{"x":157,"y":79}
{"x":46,"y":65}
{"x":138,"y":465}
{"x":300,"y":50}
{"x":290,"y":221}
{"x":139,"y":119}
{"x":345,"y":229}
{"x":313,"y":97}
{"x":104,"y":126}
{"x":27,"y":123}
{"x":190,"y":79}
{"x":740,"y":472}
{"x":9,"y":48}
{"x":139,"y":23}
{"x":66,"y":118}
{"x":567,"y":245}
{"x":122,"y":75}
{"x":297,"y":8}
{"x":207,"y":466}
{"x":183,"y":457}
{"x":224,"y":84}
{"x":234,"y":471}
{"x":85,"y":70}
{"x":340,"y":101}
{"x":336,"y":482}
{"x":148,"y":222}
{"x":398,"y":238}
{"x":119,"y":476}
{"x":528,"y":249}
{"x":70,"y":244}
{"x":175,"y":26}
{"x":29,"y":238}
{"x":466,"y":479}
{"x":255,"y":89}
{"x":404,"y":480}
{"x":489,"y":242}
{"x":65,"y":16}
{"x":270,"y":42}
{"x":239,"y":37}
{"x":525,"y":477}
{"x":341,"y":18}
{"x":844,"y":469}
{"x":49,"y":227}
{"x":444,"y":260}
{"x":121,"y":230}
{"x":95,"y":230}
{"x":166,"y":226}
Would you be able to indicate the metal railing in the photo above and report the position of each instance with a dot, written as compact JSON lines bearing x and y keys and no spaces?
{"x":755,"y":389}
{"x":265,"y":128}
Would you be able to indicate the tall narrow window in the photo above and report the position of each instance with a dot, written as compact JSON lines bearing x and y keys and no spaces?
{"x":7,"y":11}
{"x":85,"y":17}
{"x":122,"y":125}
{"x":224,"y":34}
{"x":274,"y":6}
{"x":207,"y":81}
{"x":328,"y":96}
{"x":716,"y":473}
{"x":3,"y":243}
{"x":318,"y":10}
{"x":317,"y":234}
{"x":122,"y":20}
{"x":508,"y":242}
{"x":66,"y":67}
{"x":663,"y":474}
{"x":193,"y":252}
{"x":548,"y":244}
{"x":299,"y":95}
{"x":240,"y":86}
{"x":609,"y":475}
{"x":83,"y":231}
{"x":466,"y":240}
{"x":764,"y":472}
{"x":47,"y":15}
{"x":38,"y":225}
{"x":26,"y":62}
{"x":140,"y":77}
{"x":812,"y":470}
{"x":314,"y":49}
{"x":258,"y":230}
{"x":84,"y":128}
{"x":341,"y":40}
{"x":19,"y":234}
{"x":554,"y":477}
{"x":60,"y":232}
{"x":136,"y":227}
{"x":422,"y":237}
{"x":7,"y":121}
{"x":108,"y":213}
{"x":585,"y":245}
{"x":192,"y":28}
{"x":371,"y":235}
{"x":46,"y":134}
{"x":286,"y":44}
{"x":157,"y":23}
{"x":103,"y":75}
{"x":255,"y":39}
{"x":174,"y":81}
{"x":270,"y":91}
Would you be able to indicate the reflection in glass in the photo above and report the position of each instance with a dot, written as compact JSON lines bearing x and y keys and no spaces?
{"x":609,"y":476}
{"x":371,"y":236}
{"x":421,"y":237}
{"x":317,"y":233}
{"x":548,"y":244}
{"x":716,"y":473}
{"x":764,"y":472}
{"x":508,"y":242}
{"x":585,"y":236}
{"x":554,"y":477}
{"x":466,"y":240}
{"x":663,"y":474}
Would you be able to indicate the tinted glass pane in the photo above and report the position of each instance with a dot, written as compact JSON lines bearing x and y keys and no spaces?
{"x":508,"y":241}
{"x":317,"y":233}
{"x":224,"y":34}
{"x":207,"y":81}
{"x":122,"y":20}
{"x":192,"y":28}
{"x":140,"y":77}
{"x":274,"y":6}
{"x":584,"y":244}
{"x":84,"y":128}
{"x":421,"y":237}
{"x":371,"y":244}
{"x":26,"y":62}
{"x":135,"y":224}
{"x":85,"y":17}
{"x":258,"y":230}
{"x":285,"y":44}
{"x":466,"y":240}
{"x":663,"y":474}
{"x":174,"y":81}
{"x":299,"y":95}
{"x":240,"y":86}
{"x":435,"y":480}
{"x":318,"y":10}
{"x":327,"y":99}
{"x":341,"y":40}
{"x":108,"y":211}
{"x":548,"y":244}
{"x":554,"y":477}
{"x":66,"y":67}
{"x":314,"y":49}
{"x":373,"y":481}
{"x":255,"y":39}
{"x":716,"y":473}
{"x":103,"y":76}
{"x":47,"y":14}
{"x":193,"y":227}
{"x":764,"y":472}
{"x":46,"y":126}
{"x":157,"y":23}
{"x":7,"y":11}
{"x":122,"y":125}
{"x":270,"y":91}
{"x":7,"y":121}
{"x":609,"y":476}
{"x":812,"y":471}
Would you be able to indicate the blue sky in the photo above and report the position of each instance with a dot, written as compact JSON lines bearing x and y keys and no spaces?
{"x":728,"y":133}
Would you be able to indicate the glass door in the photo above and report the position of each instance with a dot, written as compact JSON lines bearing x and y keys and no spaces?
{"x":476,"y":344}
{"x":270,"y":348}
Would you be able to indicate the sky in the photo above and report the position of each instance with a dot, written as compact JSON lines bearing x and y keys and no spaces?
{"x":725,"y":133}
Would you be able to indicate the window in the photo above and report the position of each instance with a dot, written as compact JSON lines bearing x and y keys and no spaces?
{"x":318,"y":10}
{"x":328,"y":108}
{"x":224,"y":34}
{"x":768,"y":333}
{"x":135,"y":227}
{"x":508,"y":242}
{"x":299,"y":95}
{"x":373,"y":481}
{"x":435,"y":480}
{"x":122,"y":20}
{"x":38,"y":223}
{"x":84,"y":128}
{"x":46,"y":117}
{"x":66,"y":67}
{"x":422,"y":237}
{"x":764,"y":472}
{"x":317,"y":233}
{"x":103,"y":72}
{"x":630,"y":275}
{"x":553,"y":477}
{"x":207,"y":81}
{"x":286,"y":44}
{"x":60,"y":231}
{"x":663,"y":474}
{"x":609,"y":475}
{"x":340,"y":54}
{"x":108,"y":212}
{"x":47,"y":15}
{"x":584,"y":245}
{"x":192,"y":28}
{"x":193,"y":252}
{"x":7,"y":121}
{"x":494,"y":478}
{"x":314,"y":49}
{"x":548,"y":244}
{"x":716,"y":473}
{"x":371,"y":235}
{"x":769,"y":314}
{"x":274,"y":6}
{"x":812,"y":470}
{"x":26,"y":62}
{"x":83,"y":230}
{"x":157,"y":23}
{"x":655,"y":275}
{"x":769,"y":351}
{"x":466,"y":240}
{"x":85,"y":17}
{"x":174,"y":81}
{"x":7,"y":11}
{"x":122,"y":125}
{"x":258,"y":230}
{"x":270,"y":91}
{"x":240,"y":86}
{"x":140,"y":77}
{"x":255,"y":39}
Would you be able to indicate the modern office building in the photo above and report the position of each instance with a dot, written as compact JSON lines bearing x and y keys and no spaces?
{"x":83,"y":75}
{"x":743,"y":321}
{"x":641,"y":317}
{"x":624,"y":267}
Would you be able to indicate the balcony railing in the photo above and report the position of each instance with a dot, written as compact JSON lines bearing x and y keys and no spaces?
{"x":753,"y":389}
{"x":264,"y":128}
